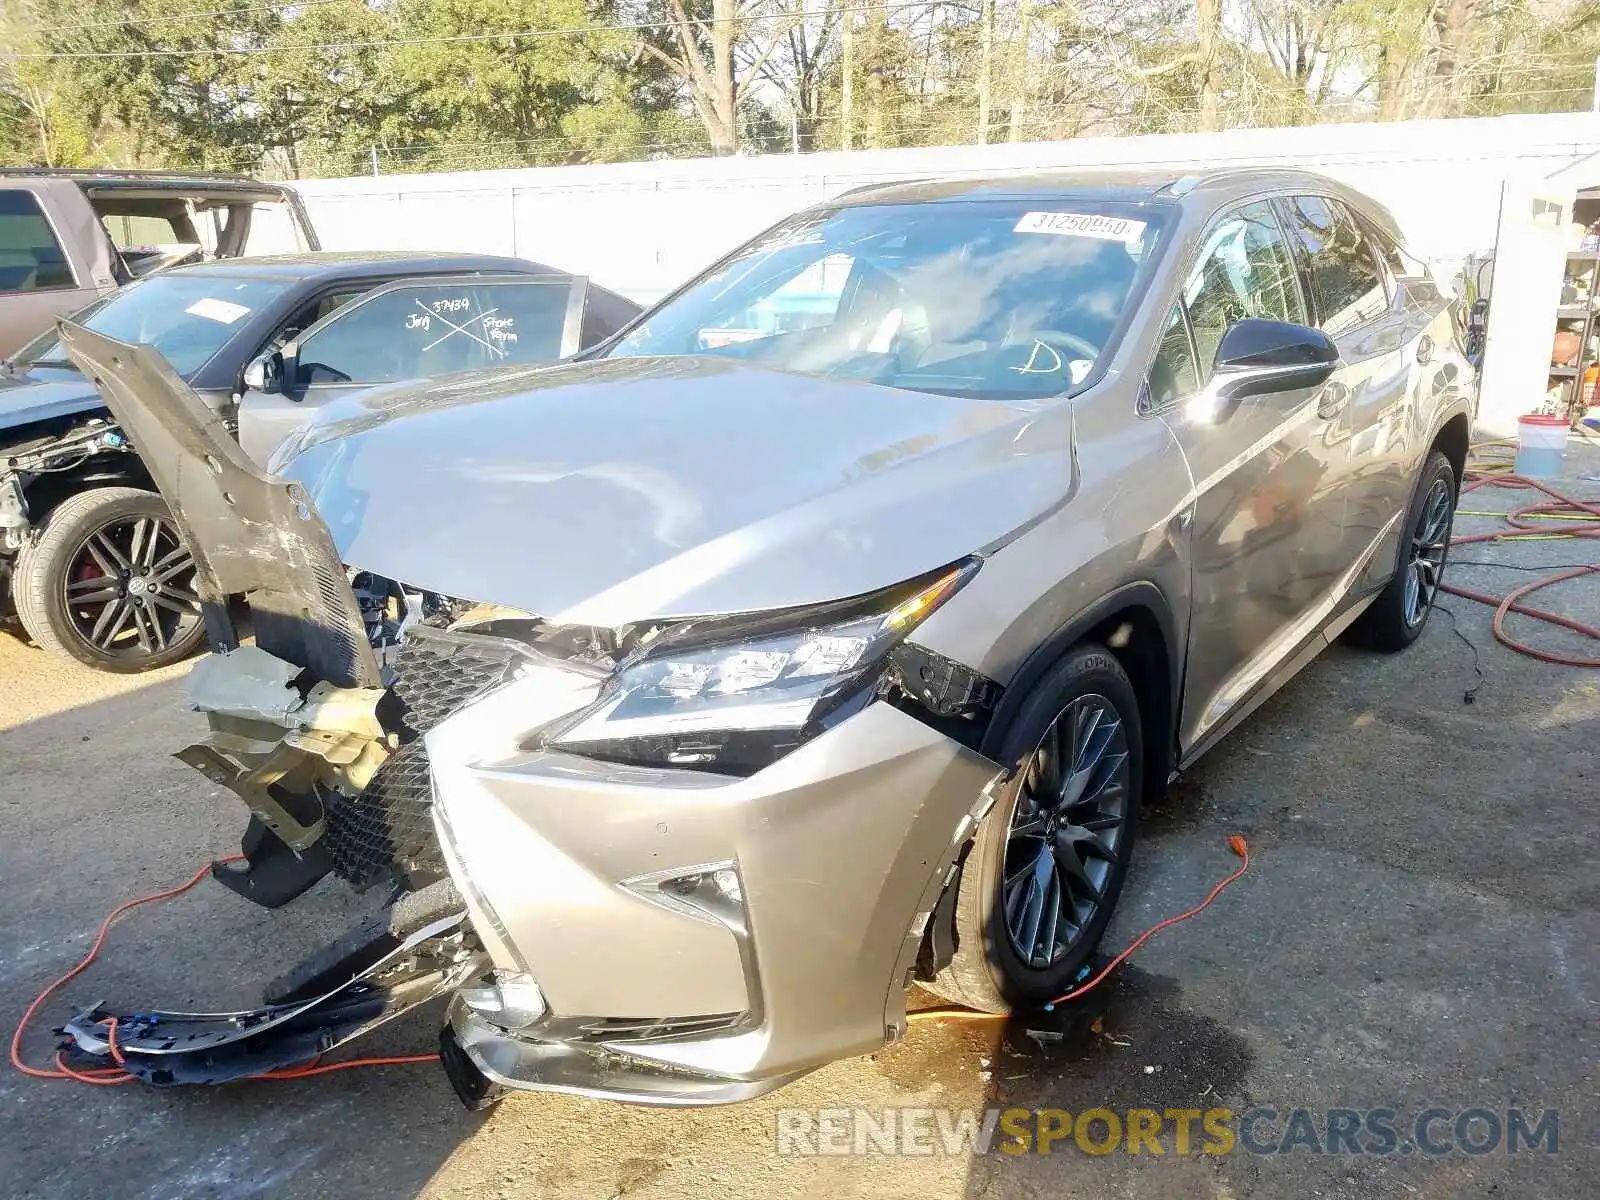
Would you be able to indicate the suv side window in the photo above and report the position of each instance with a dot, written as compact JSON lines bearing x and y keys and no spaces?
{"x":1346,"y":276}
{"x":31,"y":260}
{"x":417,"y":330}
{"x":1245,"y":269}
{"x":1174,"y":373}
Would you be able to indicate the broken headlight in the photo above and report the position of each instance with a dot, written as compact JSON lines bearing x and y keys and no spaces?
{"x":738,"y":704}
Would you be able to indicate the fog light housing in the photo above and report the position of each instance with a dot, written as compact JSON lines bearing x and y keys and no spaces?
{"x":508,"y":1000}
{"x":713,"y":892}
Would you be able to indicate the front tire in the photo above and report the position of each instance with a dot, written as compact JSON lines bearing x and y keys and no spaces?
{"x":108,"y":582}
{"x":1400,"y":613}
{"x":1045,"y":869}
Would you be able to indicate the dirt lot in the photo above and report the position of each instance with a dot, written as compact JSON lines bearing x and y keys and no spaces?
{"x":1418,"y":927}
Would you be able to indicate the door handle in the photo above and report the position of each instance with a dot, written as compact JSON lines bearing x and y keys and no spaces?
{"x":1331,"y":403}
{"x":1424,"y":350}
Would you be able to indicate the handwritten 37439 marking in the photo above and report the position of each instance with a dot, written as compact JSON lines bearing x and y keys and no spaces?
{"x":497,"y":330}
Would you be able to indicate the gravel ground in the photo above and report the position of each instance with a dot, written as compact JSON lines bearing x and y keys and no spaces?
{"x":1417,"y":927}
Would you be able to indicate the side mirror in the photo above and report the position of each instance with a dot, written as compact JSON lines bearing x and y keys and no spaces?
{"x":1257,"y":357}
{"x":264,"y":373}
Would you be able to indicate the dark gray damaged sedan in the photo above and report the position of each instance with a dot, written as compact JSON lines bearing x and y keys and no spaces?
{"x":89,"y":558}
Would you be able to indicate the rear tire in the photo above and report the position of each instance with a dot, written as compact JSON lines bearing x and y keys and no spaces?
{"x":1400,"y":613}
{"x":999,"y":962}
{"x":111,"y":553}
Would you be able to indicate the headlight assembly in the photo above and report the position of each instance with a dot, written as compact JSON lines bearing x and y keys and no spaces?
{"x":737,"y":701}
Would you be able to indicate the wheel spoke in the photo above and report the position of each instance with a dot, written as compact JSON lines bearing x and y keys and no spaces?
{"x":1031,"y":828}
{"x":1090,"y":744}
{"x":175,"y":605}
{"x":159,"y":532}
{"x":1051,"y":768}
{"x":1073,"y":872}
{"x":1081,"y":837}
{"x":151,"y":636}
{"x":1098,"y":731}
{"x":1068,"y":735}
{"x":157,"y":628}
{"x":143,"y":534}
{"x":1033,"y":914}
{"x":1044,"y":950}
{"x":106,"y":563}
{"x":110,"y":624}
{"x":98,"y":590}
{"x":1016,"y":900}
{"x":1097,"y":824}
{"x":171,"y":564}
{"x":1021,"y":875}
{"x":114,"y":560}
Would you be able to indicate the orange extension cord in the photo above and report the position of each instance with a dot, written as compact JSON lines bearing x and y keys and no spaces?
{"x":1235,"y":843}
{"x":1578,"y":519}
{"x":111,"y":1076}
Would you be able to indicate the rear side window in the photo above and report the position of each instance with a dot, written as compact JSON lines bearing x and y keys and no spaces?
{"x":132,"y":231}
{"x":31,"y":259}
{"x":603,"y":314}
{"x":1346,"y":277}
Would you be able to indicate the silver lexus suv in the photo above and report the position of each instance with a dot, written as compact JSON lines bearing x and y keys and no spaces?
{"x":819,"y":633}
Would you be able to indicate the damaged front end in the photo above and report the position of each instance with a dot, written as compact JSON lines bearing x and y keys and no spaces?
{"x":755,"y":811}
{"x":317,"y":728}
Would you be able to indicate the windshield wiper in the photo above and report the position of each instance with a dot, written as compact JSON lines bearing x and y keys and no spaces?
{"x":63,"y":363}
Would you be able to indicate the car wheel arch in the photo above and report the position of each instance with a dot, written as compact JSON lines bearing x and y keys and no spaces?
{"x":1135,"y":624}
{"x":46,"y":493}
{"x":1453,"y":440}
{"x":1148,"y":652}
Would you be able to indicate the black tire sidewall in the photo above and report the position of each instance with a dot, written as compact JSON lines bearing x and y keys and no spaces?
{"x":37,"y":586}
{"x":1435,"y":467}
{"x":1086,"y":670}
{"x":1383,"y":626}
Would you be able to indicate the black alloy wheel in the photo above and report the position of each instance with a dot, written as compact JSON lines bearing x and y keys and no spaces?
{"x":109,"y":582}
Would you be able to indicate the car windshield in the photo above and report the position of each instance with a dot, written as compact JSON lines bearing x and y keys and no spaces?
{"x":188,"y":317}
{"x":982,"y":298}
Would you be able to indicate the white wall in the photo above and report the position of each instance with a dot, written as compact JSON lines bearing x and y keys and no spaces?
{"x":641,"y":228}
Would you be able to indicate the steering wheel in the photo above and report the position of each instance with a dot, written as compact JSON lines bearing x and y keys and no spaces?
{"x":1060,"y":339}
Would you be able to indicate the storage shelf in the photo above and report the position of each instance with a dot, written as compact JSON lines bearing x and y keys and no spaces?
{"x":1573,"y":311}
{"x":1563,"y":372}
{"x":1586,"y":256}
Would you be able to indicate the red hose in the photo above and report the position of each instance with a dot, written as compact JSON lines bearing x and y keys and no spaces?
{"x":1579,"y":519}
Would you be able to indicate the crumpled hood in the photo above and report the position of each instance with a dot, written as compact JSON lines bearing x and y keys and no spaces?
{"x":628,"y":489}
{"x":28,"y":397}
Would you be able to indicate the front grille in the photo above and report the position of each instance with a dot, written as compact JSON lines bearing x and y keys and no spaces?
{"x":657,"y":1029}
{"x":387,"y":831}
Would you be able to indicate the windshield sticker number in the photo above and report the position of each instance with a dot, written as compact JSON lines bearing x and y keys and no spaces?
{"x":1089,"y":225}
{"x":224,"y":312}
{"x":454,"y":315}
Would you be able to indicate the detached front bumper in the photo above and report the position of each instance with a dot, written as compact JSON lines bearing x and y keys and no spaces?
{"x":696,"y":938}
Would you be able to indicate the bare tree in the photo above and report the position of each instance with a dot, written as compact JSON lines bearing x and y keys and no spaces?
{"x":1022,"y":68}
{"x":700,"y":51}
{"x":1208,"y":21}
{"x":797,"y":68}
{"x":985,"y":67}
{"x":847,"y":80}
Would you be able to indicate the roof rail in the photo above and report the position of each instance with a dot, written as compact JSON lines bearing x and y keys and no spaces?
{"x":115,"y":173}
